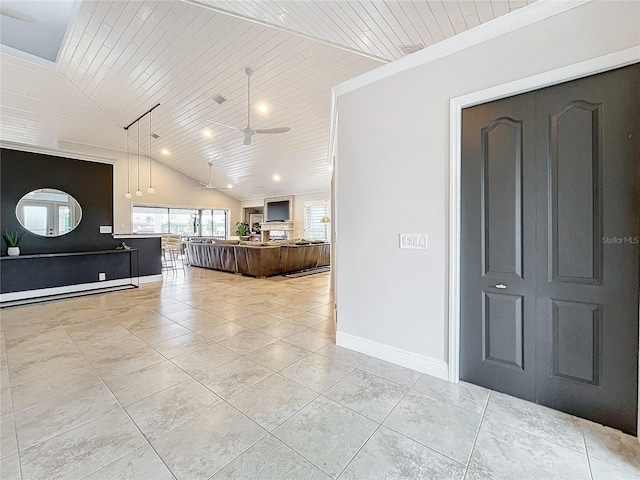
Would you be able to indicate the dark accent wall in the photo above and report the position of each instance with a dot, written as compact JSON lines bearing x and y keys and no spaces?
{"x":90,"y":183}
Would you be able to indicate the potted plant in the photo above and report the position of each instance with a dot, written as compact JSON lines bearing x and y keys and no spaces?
{"x":12,"y":239}
{"x":243,"y":230}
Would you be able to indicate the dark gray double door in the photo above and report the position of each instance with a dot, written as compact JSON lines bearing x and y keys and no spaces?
{"x":550,"y":246}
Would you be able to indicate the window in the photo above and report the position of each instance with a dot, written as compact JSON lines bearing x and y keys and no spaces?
{"x":188,"y":222}
{"x":314,"y":211}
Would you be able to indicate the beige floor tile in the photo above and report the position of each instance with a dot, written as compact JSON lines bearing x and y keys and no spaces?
{"x":272,"y":401}
{"x":10,"y":468}
{"x":57,"y":383}
{"x":234,"y":377}
{"x":278,"y":355}
{"x":326,"y":433}
{"x":62,"y":413}
{"x":248,"y":342}
{"x":112,"y":347}
{"x":163,"y":411}
{"x":181,"y":345}
{"x":142,"y":464}
{"x":224,"y":331}
{"x":270,"y":459}
{"x":128,"y":362}
{"x":154,"y":335}
{"x":505,"y":452}
{"x":612,"y":446}
{"x":443,"y":427}
{"x":43,"y":367}
{"x":82,"y":450}
{"x":395,"y":373}
{"x":257,"y":320}
{"x":144,"y":382}
{"x":309,"y":339}
{"x":205,"y":358}
{"x":8,"y":439}
{"x":464,"y":395}
{"x":317,"y":372}
{"x":215,"y":438}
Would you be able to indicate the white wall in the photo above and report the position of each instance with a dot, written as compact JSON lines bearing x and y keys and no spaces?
{"x":392,"y":171}
{"x":171,"y":187}
{"x":298,"y":208}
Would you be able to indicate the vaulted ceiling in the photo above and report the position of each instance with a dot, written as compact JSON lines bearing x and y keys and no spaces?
{"x":121,"y":58}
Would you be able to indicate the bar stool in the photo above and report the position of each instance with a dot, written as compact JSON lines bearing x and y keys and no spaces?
{"x":170,"y":250}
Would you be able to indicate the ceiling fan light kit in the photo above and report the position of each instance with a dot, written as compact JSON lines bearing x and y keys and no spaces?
{"x":249,"y":132}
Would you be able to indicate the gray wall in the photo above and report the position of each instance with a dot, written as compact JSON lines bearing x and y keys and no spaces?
{"x":392,"y":172}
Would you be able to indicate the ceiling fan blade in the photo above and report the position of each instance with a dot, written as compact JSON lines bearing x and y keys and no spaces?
{"x":247,"y":139}
{"x":7,"y":12}
{"x":214,"y":187}
{"x":224,"y":125}
{"x":274,"y":130}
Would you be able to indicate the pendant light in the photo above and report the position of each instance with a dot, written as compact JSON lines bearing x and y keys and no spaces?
{"x":138,"y":191}
{"x":126,"y":129}
{"x":128,"y":194}
{"x":150,"y":189}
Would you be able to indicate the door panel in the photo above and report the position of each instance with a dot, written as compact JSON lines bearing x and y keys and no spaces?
{"x":577,"y":341}
{"x":587,"y":151}
{"x":575,"y":158}
{"x":498,"y":261}
{"x":502,"y":200}
{"x":550,"y":246}
{"x":503,"y":330}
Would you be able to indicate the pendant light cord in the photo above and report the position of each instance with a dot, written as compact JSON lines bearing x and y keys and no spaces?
{"x":150,"y":179}
{"x":138,"y":158}
{"x":128,"y":165}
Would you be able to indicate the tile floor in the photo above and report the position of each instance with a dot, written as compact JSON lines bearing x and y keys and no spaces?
{"x":215,"y":376}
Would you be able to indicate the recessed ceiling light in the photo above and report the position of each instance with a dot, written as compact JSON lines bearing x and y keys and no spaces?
{"x":164,"y":151}
{"x":276,"y":177}
{"x":229,"y":186}
{"x":207,"y":133}
{"x":262,"y":108}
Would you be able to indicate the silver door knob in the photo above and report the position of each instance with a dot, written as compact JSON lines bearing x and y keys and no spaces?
{"x":501,"y":286}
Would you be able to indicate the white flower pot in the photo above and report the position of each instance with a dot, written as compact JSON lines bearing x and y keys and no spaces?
{"x":13,"y":251}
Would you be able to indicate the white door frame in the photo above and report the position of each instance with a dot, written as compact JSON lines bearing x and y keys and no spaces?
{"x":553,"y":77}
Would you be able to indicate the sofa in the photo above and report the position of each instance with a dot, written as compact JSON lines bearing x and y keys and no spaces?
{"x":257,"y":260}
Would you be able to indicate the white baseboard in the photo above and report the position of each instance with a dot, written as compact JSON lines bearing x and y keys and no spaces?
{"x":45,"y":292}
{"x":404,"y":358}
{"x":150,"y":278}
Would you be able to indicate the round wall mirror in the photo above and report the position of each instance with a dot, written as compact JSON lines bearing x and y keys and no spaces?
{"x":48,"y":212}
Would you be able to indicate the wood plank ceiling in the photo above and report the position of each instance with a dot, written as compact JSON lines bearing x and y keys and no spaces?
{"x":123,"y":57}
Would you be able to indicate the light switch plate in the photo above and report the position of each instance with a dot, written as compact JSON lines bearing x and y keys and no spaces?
{"x":415,"y":241}
{"x":105,"y":228}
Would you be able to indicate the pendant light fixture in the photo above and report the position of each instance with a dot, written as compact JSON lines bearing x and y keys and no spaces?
{"x":128,"y":194}
{"x":126,"y":129}
{"x":138,"y":191}
{"x":150,"y":189}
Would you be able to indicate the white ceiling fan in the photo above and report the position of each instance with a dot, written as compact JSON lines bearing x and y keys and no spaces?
{"x":211,"y":185}
{"x":249,"y":132}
